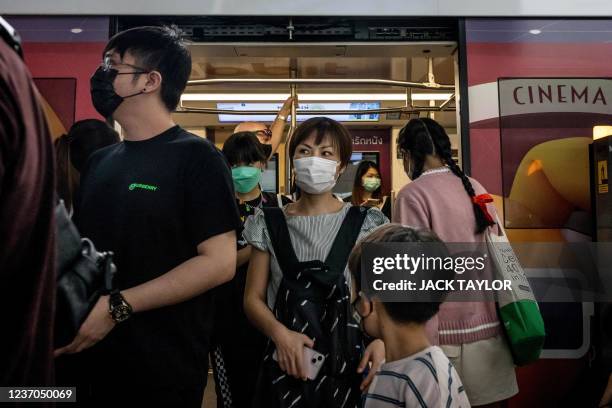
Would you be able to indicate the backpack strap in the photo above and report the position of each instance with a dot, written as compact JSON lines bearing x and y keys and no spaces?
{"x":272,"y":200}
{"x":281,"y":240}
{"x":345,"y":239}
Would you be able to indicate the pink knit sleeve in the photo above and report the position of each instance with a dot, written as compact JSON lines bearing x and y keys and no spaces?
{"x":410,"y":212}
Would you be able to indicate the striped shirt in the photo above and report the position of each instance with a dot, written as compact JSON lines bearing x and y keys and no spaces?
{"x":312,"y":237}
{"x":424,"y":379}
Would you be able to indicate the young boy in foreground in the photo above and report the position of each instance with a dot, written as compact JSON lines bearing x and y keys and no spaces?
{"x":415,"y":374}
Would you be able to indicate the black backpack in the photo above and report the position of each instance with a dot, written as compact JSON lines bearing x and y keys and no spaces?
{"x":313,"y":298}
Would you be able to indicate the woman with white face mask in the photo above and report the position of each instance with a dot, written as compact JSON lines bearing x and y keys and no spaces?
{"x":297,"y":283}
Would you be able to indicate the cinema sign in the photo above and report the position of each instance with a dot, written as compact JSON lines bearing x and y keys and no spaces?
{"x":520,"y":96}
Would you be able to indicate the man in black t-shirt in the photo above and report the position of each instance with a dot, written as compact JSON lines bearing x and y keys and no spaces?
{"x":163,"y":202}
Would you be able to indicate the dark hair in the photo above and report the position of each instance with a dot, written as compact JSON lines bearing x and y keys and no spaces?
{"x":401,"y":312}
{"x":73,"y":149}
{"x":422,"y":137}
{"x":321,"y":126}
{"x":362,"y":169}
{"x":244,"y":147}
{"x":157,"y":49}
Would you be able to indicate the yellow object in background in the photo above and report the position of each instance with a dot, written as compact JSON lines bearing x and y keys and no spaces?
{"x":600,"y":132}
{"x":551,"y":182}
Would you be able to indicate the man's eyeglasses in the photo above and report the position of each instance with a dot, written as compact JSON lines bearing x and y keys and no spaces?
{"x":108,"y":65}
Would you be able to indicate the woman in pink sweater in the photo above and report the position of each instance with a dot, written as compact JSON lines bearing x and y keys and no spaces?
{"x":443,"y":199}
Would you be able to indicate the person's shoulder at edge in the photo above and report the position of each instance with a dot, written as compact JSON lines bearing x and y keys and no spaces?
{"x":412,"y":190}
{"x":374,"y":218}
{"x":412,"y":201}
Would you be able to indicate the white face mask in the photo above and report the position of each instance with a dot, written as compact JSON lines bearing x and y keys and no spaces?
{"x":315,"y":175}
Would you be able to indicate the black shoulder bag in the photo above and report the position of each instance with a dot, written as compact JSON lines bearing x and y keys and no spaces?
{"x":313,"y":298}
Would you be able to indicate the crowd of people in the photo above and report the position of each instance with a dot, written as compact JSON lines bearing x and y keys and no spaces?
{"x":212,"y":268}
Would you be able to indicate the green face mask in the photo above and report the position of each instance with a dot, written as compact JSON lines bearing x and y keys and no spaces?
{"x":246,"y":178}
{"x":371,"y":184}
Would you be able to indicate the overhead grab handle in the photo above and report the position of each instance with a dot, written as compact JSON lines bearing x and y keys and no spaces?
{"x":401,"y":109}
{"x":293,"y":82}
{"x":305,"y":81}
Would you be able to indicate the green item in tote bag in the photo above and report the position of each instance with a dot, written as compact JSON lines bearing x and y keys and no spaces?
{"x":518,"y":308}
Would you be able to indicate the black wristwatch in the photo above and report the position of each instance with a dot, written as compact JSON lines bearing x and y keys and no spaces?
{"x":118,"y":308}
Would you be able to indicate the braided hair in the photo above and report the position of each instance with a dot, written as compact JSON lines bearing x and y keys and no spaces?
{"x":423,"y":137}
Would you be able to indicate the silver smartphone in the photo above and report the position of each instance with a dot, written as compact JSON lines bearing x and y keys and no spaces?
{"x":313,"y":359}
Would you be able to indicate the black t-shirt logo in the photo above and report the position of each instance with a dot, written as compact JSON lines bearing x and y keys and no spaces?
{"x":149,"y":187}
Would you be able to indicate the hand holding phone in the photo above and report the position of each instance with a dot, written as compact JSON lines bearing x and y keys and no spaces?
{"x":312,"y":361}
{"x":372,"y":202}
{"x":290,"y":351}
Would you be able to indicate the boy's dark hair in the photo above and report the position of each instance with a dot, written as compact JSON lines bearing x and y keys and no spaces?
{"x":425,"y":136}
{"x":400,"y":312}
{"x":322,"y":126}
{"x":244,"y":147}
{"x":157,"y":49}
